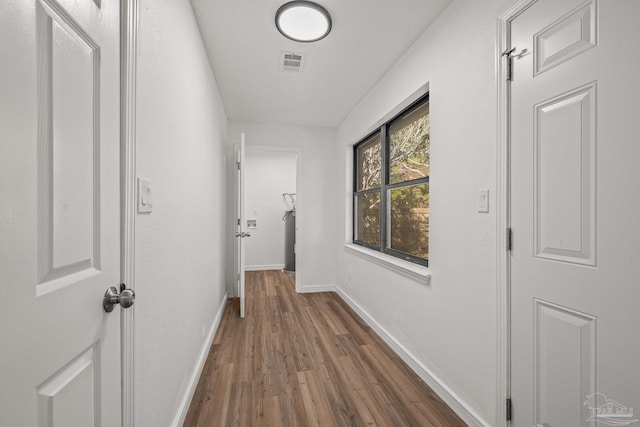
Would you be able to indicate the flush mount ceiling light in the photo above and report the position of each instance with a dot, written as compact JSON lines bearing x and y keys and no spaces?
{"x":303,"y":21}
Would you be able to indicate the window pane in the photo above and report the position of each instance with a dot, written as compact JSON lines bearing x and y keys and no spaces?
{"x":368,"y":218}
{"x":409,"y":220}
{"x":368,"y":163}
{"x":409,"y":146}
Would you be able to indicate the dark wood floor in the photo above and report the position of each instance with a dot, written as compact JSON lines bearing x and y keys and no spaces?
{"x":306,"y":360}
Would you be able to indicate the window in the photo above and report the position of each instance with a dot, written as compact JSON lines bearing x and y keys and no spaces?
{"x":391,"y":186}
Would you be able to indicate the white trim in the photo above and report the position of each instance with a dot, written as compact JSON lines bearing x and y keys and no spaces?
{"x":414,"y":271}
{"x":128,"y":54}
{"x":299,"y":202}
{"x":503,"y":219}
{"x":316,"y":288}
{"x":449,"y":396}
{"x":185,"y":402}
{"x":263,"y":267}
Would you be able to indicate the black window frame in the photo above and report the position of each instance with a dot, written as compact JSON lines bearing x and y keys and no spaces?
{"x":385,"y":186}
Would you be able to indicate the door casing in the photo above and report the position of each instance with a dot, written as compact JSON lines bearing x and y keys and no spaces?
{"x":503,"y":218}
{"x":128,"y":55}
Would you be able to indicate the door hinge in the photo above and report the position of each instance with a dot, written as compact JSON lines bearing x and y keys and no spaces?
{"x":238,"y":221}
{"x":509,"y":409}
{"x":238,"y":165}
{"x":509,"y":239}
{"x":508,"y":54}
{"x":238,"y":277}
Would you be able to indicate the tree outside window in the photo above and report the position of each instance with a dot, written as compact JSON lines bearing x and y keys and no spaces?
{"x":391,"y":197}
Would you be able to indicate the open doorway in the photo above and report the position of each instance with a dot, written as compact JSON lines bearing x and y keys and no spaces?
{"x":272,"y":209}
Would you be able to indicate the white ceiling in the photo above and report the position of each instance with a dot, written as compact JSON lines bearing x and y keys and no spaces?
{"x":244,"y":46}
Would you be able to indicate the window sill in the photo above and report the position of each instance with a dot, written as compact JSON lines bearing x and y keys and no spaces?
{"x":419,"y":273}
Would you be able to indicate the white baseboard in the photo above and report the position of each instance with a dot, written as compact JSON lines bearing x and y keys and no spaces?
{"x":316,"y":288}
{"x":263,"y":267}
{"x":197,"y":371}
{"x":451,"y":398}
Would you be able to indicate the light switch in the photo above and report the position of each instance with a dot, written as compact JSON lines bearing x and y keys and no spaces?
{"x":145,"y":199}
{"x":483,"y":201}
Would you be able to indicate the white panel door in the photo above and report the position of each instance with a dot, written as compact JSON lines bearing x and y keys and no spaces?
{"x":575,"y":145}
{"x":59,"y":213}
{"x":241,"y":226}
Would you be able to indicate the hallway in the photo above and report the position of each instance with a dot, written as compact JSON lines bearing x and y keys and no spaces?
{"x":306,"y":360}
{"x":465,"y":231}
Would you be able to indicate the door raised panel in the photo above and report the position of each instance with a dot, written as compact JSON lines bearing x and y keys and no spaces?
{"x":567,"y":37}
{"x":565,"y":185}
{"x":68,"y":398}
{"x":564,"y":365}
{"x":68,"y":150}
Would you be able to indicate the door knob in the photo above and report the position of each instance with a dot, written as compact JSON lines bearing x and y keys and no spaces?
{"x":126,"y":298}
{"x":243,"y":234}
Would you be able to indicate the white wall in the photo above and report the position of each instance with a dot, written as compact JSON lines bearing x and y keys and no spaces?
{"x":315,"y":193}
{"x":449,"y":326}
{"x":181,"y":137}
{"x":268,"y":174}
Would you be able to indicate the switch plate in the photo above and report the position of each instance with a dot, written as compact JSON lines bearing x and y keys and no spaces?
{"x":145,"y":196}
{"x":483,"y":201}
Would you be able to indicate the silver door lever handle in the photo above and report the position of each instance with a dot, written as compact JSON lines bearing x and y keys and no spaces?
{"x":243,"y":234}
{"x":126,"y":298}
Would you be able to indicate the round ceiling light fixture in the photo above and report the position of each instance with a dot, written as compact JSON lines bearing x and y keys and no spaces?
{"x":303,"y":21}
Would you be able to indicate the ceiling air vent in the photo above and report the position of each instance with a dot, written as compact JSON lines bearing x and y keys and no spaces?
{"x":292,"y":61}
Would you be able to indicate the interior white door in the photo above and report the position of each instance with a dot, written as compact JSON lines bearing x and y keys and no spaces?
{"x":575,"y":293}
{"x":241,"y":227}
{"x":59,"y":213}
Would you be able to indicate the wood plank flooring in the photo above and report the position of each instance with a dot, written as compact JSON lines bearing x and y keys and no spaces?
{"x":306,"y":360}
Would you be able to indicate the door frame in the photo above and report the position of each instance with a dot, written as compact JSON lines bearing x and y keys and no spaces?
{"x":299,"y":201}
{"x":241,"y":226}
{"x":128,"y":52}
{"x":503,"y":208}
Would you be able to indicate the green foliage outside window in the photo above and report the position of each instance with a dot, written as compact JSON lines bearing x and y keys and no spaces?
{"x":407,"y":210}
{"x":368,"y":208}
{"x":409,"y":220}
